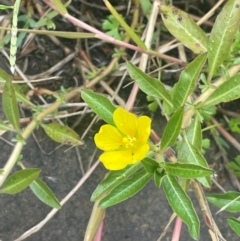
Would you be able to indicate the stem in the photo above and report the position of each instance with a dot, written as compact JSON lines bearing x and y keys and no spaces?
{"x":177,"y":229}
{"x":25,"y":134}
{"x":144,"y":57}
{"x":204,"y":96}
{"x":38,"y":226}
{"x":101,"y":35}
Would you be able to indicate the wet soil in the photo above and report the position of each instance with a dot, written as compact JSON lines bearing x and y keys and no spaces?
{"x":141,"y":218}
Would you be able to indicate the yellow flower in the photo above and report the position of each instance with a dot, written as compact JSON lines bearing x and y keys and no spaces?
{"x":126,"y":143}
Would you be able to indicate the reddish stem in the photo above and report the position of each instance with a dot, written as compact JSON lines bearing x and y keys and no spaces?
{"x":230,"y":138}
{"x":177,"y":229}
{"x":98,"y":236}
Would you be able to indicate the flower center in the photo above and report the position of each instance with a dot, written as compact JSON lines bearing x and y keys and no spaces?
{"x":129,"y":142}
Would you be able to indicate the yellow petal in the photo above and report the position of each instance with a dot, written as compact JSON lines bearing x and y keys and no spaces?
{"x":144,"y":128}
{"x":126,"y":122}
{"x":108,"y":138}
{"x":116,"y":160}
{"x":140,"y":153}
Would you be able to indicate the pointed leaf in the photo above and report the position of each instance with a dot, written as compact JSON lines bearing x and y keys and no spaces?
{"x":166,"y":108}
{"x":234,"y":125}
{"x":235,"y":225}
{"x":181,"y":204}
{"x":224,"y":29}
{"x":126,"y":189}
{"x":150,"y":86}
{"x":187,"y":171}
{"x":182,"y":27}
{"x":228,"y":91}
{"x":158,"y":178}
{"x":9,"y":102}
{"x":172,"y":130}
{"x":221,"y":200}
{"x":20,"y":180}
{"x":101,"y":105}
{"x":187,"y":153}
{"x":113,"y":179}
{"x":150,"y":165}
{"x":146,"y":7}
{"x":62,"y":134}
{"x":187,"y":81}
{"x":112,"y":25}
{"x":44,"y":193}
{"x":194,"y":134}
{"x":235,"y":166}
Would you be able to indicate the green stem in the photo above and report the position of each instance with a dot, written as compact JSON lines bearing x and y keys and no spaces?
{"x":26,"y":133}
{"x":203,"y":97}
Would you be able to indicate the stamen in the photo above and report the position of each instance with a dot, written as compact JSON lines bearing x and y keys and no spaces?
{"x":129,"y":141}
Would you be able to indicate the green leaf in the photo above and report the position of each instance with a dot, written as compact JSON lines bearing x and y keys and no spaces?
{"x":62,"y":134}
{"x":187,"y":153}
{"x":181,"y":204}
{"x":44,"y":21}
{"x":234,"y":224}
{"x":236,"y":44}
{"x":158,"y":178}
{"x":187,"y":171}
{"x":9,"y":101}
{"x":112,"y":25}
{"x":150,"y":165}
{"x":221,"y":38}
{"x":113,"y":179}
{"x":153,"y":106}
{"x":182,"y":27}
{"x":167,"y":108}
{"x":172,"y":130}
{"x":130,"y":32}
{"x":1,"y":171}
{"x":101,"y":105}
{"x":187,"y":81}
{"x":20,"y":97}
{"x":20,"y":180}
{"x":235,"y":166}
{"x":234,"y":125}
{"x":207,"y":112}
{"x":205,"y":145}
{"x":126,"y":189}
{"x":5,"y":127}
{"x":228,"y":91}
{"x":194,"y":134}
{"x":44,"y":193}
{"x":146,"y":7}
{"x":3,"y":7}
{"x":150,"y":86}
{"x":221,"y":200}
